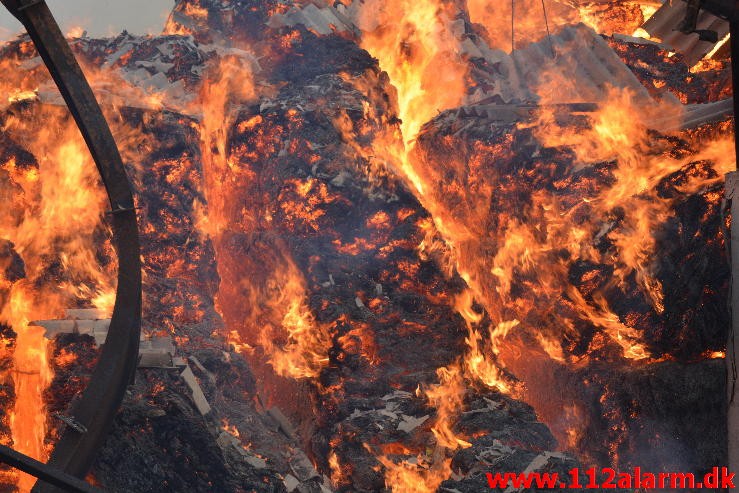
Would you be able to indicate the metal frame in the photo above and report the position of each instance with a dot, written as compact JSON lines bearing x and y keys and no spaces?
{"x":44,"y":472}
{"x":75,"y":452}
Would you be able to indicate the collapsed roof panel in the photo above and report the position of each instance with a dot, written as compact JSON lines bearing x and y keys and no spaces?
{"x":546,"y":69}
{"x":692,"y":115}
{"x":323,"y":20}
{"x":700,"y":114}
{"x":502,"y":78}
{"x":523,"y":76}
{"x":663,"y":25}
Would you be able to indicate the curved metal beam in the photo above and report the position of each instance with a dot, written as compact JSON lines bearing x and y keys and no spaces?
{"x":43,"y":471}
{"x":75,"y":452}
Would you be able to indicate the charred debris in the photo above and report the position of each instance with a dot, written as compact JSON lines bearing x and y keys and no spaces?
{"x":301,"y":297}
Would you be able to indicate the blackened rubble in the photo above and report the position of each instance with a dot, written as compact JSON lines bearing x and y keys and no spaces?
{"x":663,"y":72}
{"x":388,"y":308}
{"x":623,"y":422}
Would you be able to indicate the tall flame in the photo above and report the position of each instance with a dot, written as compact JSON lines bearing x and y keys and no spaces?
{"x":292,"y":341}
{"x":458,"y":207}
{"x":31,"y":376}
{"x":415,"y":45}
{"x":63,"y":203}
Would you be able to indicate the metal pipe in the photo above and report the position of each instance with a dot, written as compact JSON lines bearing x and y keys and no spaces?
{"x":734,"y":43}
{"x":44,"y":472}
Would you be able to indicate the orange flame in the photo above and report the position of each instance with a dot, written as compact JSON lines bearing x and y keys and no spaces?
{"x":301,"y":350}
{"x":63,"y":205}
{"x":529,"y":25}
{"x":407,"y":477}
{"x":292,"y":341}
{"x":31,"y":376}
{"x":447,"y":397}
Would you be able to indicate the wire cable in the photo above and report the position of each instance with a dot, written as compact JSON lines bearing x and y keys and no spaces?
{"x":546,"y":23}
{"x":513,"y":25}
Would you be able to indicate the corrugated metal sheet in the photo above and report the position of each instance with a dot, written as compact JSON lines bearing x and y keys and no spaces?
{"x":322,"y":20}
{"x":663,"y":25}
{"x":508,"y":78}
{"x":583,"y":68}
{"x":700,"y":114}
{"x":677,"y":118}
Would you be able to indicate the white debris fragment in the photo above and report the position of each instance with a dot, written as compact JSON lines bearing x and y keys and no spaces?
{"x":197,"y":393}
{"x":398,"y":394}
{"x":302,"y":467}
{"x":330,"y":282}
{"x":282,"y":422}
{"x":539,"y":461}
{"x":291,"y":483}
{"x":320,"y":20}
{"x":154,"y":352}
{"x":195,"y":361}
{"x":410,"y":423}
{"x":341,"y":179}
{"x":256,"y":462}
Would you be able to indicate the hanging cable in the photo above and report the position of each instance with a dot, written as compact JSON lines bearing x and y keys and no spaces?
{"x":546,"y":23}
{"x":513,"y":26}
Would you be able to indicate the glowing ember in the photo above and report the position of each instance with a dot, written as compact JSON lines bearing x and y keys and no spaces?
{"x":356,"y":235}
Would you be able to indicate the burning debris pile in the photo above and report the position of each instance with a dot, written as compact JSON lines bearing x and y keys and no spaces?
{"x":394,"y":254}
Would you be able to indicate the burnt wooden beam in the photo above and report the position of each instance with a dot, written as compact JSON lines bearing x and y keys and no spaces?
{"x":75,"y":452}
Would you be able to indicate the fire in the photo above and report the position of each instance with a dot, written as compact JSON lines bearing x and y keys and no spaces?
{"x":196,"y":11}
{"x":516,"y":267}
{"x":337,"y":475}
{"x":414,"y":51}
{"x":234,"y":339}
{"x":301,"y":351}
{"x":20,"y":95}
{"x":478,"y":365}
{"x":615,"y":134}
{"x":229,"y":83}
{"x":551,"y":347}
{"x":31,"y":376}
{"x":290,"y":338}
{"x":230,"y":429}
{"x":447,"y":397}
{"x":415,"y":46}
{"x":192,"y":10}
{"x":409,"y":477}
{"x":527,"y":18}
{"x":16,"y":87}
{"x":528,"y":252}
{"x":65,"y":358}
{"x":64,"y":204}
{"x":75,"y":32}
{"x":602,"y":316}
